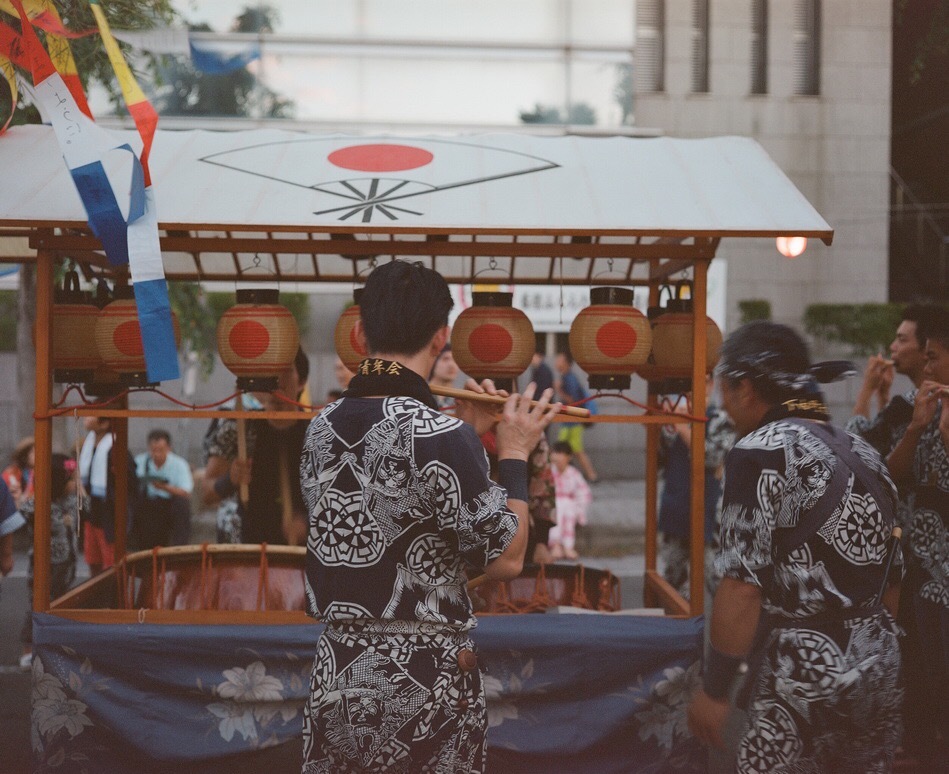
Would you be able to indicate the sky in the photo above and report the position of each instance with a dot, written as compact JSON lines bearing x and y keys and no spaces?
{"x":450,"y":84}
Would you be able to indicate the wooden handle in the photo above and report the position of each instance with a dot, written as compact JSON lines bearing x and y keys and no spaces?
{"x":244,"y":492}
{"x":478,"y":397}
{"x":475,"y":582}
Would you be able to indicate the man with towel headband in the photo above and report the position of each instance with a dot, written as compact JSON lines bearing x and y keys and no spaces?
{"x":402,"y":513}
{"x":805,"y":546}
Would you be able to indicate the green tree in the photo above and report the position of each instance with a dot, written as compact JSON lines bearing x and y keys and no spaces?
{"x":185,"y":91}
{"x":580,"y":114}
{"x":623,"y":91}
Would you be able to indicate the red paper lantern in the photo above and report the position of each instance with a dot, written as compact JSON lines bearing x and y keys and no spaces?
{"x":119,"y":338}
{"x":610,"y":338}
{"x":493,"y":340}
{"x":73,"y":335}
{"x":257,"y":339}
{"x":672,"y":338}
{"x":348,"y":347}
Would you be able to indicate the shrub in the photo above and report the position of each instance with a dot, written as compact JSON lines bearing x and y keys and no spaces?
{"x":865,"y":328}
{"x":754,"y":309}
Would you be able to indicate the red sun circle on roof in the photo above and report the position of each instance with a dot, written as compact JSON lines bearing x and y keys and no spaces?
{"x":380,"y":158}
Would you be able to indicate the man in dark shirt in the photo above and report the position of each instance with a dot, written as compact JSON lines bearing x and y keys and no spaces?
{"x":402,"y":511}
{"x":274,"y":512}
{"x":806,"y":520}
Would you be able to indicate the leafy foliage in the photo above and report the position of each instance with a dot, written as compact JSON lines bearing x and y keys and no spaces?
{"x":866,"y":328}
{"x":754,"y":309}
{"x":89,"y":53}
{"x":185,"y":91}
{"x":7,"y":321}
{"x":580,"y":114}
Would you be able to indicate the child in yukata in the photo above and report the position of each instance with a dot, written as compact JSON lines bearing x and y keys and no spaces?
{"x":573,"y":499}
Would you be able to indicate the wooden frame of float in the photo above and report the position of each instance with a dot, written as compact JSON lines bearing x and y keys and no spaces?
{"x":52,"y":246}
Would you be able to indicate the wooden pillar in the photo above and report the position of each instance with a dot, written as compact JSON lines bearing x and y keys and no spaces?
{"x":652,"y":481}
{"x":697,"y":522}
{"x":43,"y":432}
{"x":120,"y":446}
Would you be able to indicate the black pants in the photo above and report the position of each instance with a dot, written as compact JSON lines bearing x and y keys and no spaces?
{"x":162,"y":521}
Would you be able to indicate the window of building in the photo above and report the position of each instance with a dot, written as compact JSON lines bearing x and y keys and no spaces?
{"x":759,"y":46}
{"x":650,"y":35}
{"x":807,"y":47}
{"x":699,"y":46}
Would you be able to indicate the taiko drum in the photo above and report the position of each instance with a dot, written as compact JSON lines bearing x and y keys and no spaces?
{"x":493,"y":340}
{"x":610,"y":338}
{"x":119,"y":338}
{"x":257,"y":339}
{"x":75,"y":355}
{"x":348,"y":347}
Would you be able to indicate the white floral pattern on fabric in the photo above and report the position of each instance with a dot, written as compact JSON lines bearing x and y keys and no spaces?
{"x":663,"y":716}
{"x":252,"y":697}
{"x":52,"y":711}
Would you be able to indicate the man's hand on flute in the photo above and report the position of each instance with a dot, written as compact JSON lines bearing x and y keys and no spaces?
{"x":522,"y":424}
{"x":482,"y":416}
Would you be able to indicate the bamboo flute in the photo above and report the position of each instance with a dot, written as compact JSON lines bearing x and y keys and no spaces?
{"x":478,"y":397}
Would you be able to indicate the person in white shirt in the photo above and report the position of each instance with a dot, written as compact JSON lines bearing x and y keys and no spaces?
{"x":163,"y":516}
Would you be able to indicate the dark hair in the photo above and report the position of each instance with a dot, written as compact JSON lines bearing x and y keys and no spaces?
{"x":562,"y":447}
{"x":333,"y":395}
{"x":788,"y":354}
{"x":567,"y":355}
{"x":21,"y":454}
{"x":59,"y":475}
{"x":917,"y":314}
{"x":302,"y":365}
{"x":934,"y":325}
{"x":402,"y":306}
{"x":159,"y":435}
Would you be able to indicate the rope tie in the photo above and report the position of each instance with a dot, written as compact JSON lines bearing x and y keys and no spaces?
{"x":262,"y":577}
{"x":579,"y":598}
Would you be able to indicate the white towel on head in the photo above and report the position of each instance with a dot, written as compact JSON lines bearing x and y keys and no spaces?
{"x":94,"y":464}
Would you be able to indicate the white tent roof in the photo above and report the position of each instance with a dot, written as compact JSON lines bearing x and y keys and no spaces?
{"x":510,"y":188}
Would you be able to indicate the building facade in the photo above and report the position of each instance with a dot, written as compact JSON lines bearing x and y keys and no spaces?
{"x":810,"y":81}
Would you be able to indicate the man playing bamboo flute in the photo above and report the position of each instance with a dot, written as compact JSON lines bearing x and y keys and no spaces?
{"x":805,"y":546}
{"x":401,"y":513}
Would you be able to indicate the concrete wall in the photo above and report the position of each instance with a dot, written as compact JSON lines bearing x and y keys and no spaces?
{"x":834,"y":147}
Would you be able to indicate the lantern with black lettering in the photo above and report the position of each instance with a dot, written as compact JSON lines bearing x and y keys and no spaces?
{"x":493,"y":340}
{"x":348,"y":347}
{"x":119,"y":338}
{"x":610,"y":338}
{"x":75,"y":355}
{"x":257,"y":339}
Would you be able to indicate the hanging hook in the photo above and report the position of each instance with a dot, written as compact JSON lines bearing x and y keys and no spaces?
{"x":609,"y":269}
{"x":492,"y":266}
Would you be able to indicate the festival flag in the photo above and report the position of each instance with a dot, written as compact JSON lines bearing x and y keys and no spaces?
{"x":141,"y":110}
{"x":145,"y":262}
{"x":59,"y":51}
{"x":87,"y":150}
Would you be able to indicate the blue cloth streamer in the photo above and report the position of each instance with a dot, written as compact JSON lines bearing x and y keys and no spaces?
{"x":212,"y":62}
{"x":158,"y":336}
{"x":102,"y":208}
